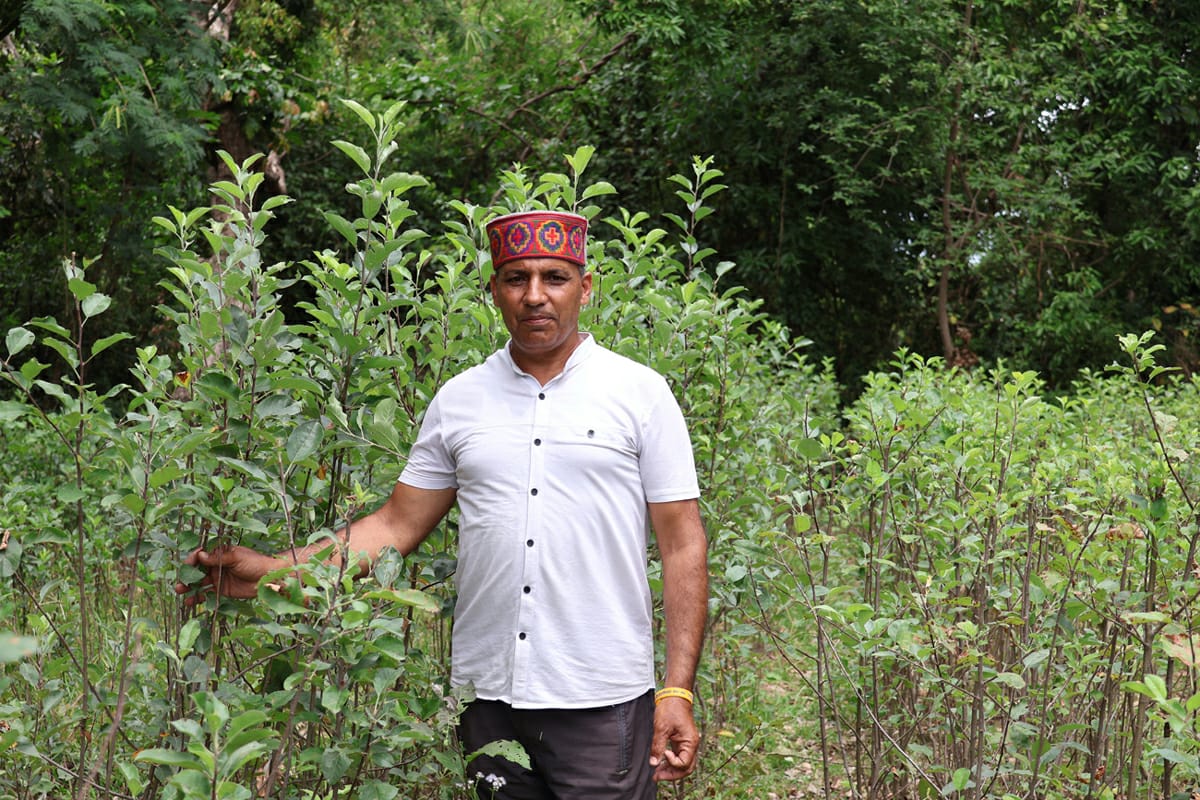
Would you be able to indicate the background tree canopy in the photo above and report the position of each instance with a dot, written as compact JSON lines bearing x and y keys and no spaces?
{"x":1011,"y":182}
{"x":922,"y":584}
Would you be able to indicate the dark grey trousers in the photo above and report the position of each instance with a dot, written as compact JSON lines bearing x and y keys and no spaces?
{"x":577,"y":754}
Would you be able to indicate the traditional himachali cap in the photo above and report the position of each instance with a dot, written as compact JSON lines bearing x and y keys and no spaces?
{"x":538,"y":234}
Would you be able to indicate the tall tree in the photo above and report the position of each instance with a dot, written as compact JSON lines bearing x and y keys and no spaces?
{"x":99,"y":130}
{"x":818,"y":114}
{"x":1067,"y":119}
{"x":977,"y":180}
{"x":985,"y":181}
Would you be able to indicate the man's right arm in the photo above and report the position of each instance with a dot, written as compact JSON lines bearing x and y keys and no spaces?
{"x":402,"y":523}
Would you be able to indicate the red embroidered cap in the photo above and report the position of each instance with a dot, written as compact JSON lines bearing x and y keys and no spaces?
{"x":538,"y":234}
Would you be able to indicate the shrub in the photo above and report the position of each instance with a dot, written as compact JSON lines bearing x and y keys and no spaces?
{"x":271,"y":426}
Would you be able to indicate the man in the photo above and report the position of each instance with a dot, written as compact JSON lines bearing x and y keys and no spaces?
{"x":561,"y":456}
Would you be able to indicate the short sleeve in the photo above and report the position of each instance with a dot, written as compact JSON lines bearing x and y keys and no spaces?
{"x":667,"y":464}
{"x":430,"y":463}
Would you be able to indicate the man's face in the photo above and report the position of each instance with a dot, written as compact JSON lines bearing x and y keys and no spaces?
{"x":540,"y":299}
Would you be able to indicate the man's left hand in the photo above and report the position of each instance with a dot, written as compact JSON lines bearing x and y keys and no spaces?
{"x":673,"y":749}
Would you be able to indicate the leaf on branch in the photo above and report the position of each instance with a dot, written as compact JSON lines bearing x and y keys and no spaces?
{"x":18,"y":339}
{"x":1183,"y":647}
{"x":506,"y":749}
{"x":304,"y":440}
{"x":11,"y":410}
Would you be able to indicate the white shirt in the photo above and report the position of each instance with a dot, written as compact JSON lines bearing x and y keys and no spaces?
{"x":554,"y":607}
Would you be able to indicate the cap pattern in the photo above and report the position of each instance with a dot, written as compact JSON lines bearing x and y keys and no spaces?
{"x":538,"y":234}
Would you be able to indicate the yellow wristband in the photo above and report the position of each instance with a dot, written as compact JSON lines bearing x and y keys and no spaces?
{"x":673,"y":691}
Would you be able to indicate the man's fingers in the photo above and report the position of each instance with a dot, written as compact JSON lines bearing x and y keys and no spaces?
{"x":680,"y":755}
{"x":658,"y":743}
{"x":658,"y":746}
{"x":674,"y":744}
{"x":199,"y":559}
{"x":217,"y":557}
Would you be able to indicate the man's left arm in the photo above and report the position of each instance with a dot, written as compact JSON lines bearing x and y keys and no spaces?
{"x":684,"y":549}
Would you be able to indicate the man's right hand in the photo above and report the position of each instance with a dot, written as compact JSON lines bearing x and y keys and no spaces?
{"x":230,"y":570}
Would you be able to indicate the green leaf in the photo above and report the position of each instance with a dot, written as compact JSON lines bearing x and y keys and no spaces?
{"x":70,"y":494}
{"x":18,"y":339}
{"x":188,"y":634}
{"x":406,"y":597}
{"x":363,"y":114}
{"x":1036,"y":658}
{"x":333,"y":699}
{"x":108,"y":341}
{"x":165,"y":474}
{"x":961,"y":779}
{"x":275,"y":202}
{"x":597,"y":189}
{"x":32,"y":368}
{"x":356,"y":154}
{"x":218,"y":384}
{"x":579,"y":161}
{"x":240,"y":728}
{"x":808,"y":448}
{"x":503,"y":748}
{"x":95,"y":304}
{"x":334,"y":764}
{"x":11,"y":409}
{"x":170,"y":758}
{"x":81,"y":289}
{"x":133,"y":778}
{"x":279,"y":603}
{"x":1156,"y":685}
{"x":10,"y":558}
{"x":279,"y":405}
{"x":378,"y":790}
{"x":1159,"y":508}
{"x":64,"y":349}
{"x":343,"y":226}
{"x":383,"y":434}
{"x":304,"y":440}
{"x":1174,"y":756}
{"x":189,"y":728}
{"x":400,"y":182}
{"x":231,"y":761}
{"x":1011,"y":679}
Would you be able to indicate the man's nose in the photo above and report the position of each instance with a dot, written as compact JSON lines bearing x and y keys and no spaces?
{"x":535,"y":292}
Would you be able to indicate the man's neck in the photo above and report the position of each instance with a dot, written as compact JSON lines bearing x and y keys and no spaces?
{"x":548,"y":367}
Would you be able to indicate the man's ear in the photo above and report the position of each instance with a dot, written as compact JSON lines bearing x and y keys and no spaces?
{"x":587,"y":288}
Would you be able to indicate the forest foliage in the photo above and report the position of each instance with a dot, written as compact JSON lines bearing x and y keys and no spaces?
{"x":954,"y":586}
{"x":989,"y":182}
{"x":889,"y":261}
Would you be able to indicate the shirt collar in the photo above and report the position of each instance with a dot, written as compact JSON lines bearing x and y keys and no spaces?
{"x":581,"y":352}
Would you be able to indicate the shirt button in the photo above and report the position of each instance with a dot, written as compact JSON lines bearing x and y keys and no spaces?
{"x":537,"y":441}
{"x":529,"y":542}
{"x":527,"y":589}
{"x":521,"y":635}
{"x":591,"y":434}
{"x":533,"y":492}
{"x":541,"y":395}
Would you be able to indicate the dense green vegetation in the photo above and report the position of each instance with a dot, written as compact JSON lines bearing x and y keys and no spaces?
{"x":953,"y":586}
{"x":951,"y":498}
{"x":986,"y":182}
